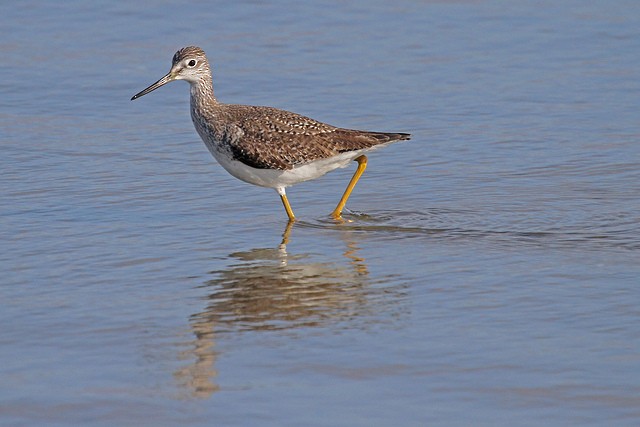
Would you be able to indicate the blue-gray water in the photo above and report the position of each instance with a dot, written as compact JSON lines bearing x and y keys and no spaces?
{"x":489,"y":275}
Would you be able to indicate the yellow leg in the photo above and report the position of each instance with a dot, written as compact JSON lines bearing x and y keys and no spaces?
{"x":287,"y":206}
{"x":362,"y":165}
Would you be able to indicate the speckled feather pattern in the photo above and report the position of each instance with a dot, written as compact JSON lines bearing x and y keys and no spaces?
{"x":266,"y":137}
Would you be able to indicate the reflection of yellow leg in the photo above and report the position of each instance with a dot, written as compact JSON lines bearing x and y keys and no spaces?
{"x":287,"y":233}
{"x":287,"y":206}
{"x":358,"y":262}
{"x":362,"y":165}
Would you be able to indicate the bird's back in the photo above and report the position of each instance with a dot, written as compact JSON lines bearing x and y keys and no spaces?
{"x":270,"y":138}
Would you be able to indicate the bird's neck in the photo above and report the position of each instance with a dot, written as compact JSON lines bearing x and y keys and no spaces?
{"x":202,"y":93}
{"x":204,"y":109}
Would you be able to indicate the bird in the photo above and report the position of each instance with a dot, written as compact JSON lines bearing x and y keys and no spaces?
{"x":266,"y":146}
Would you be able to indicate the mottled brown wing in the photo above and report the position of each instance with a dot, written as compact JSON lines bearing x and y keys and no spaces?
{"x":278,"y":139}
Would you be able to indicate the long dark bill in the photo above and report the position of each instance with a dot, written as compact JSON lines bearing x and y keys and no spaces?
{"x":163,"y":81}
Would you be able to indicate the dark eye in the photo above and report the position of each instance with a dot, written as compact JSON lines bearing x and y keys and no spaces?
{"x":191,"y":63}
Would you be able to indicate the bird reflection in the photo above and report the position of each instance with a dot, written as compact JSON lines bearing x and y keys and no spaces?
{"x":198,"y":377}
{"x":271,"y":290}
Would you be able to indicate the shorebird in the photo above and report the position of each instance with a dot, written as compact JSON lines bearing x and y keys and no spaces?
{"x":266,"y":146}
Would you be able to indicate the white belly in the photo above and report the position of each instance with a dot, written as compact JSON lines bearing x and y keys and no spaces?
{"x":273,"y":178}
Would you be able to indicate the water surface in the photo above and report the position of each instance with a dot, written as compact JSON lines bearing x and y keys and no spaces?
{"x":487,"y":274}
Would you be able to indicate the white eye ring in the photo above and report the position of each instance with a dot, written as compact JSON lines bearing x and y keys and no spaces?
{"x":192,"y":63}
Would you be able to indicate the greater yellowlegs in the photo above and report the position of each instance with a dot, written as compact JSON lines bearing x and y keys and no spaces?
{"x":266,"y":146}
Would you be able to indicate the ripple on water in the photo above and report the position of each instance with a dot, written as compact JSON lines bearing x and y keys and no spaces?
{"x":591,"y":233}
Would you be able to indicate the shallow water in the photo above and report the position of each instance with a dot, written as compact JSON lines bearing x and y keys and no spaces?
{"x":487,"y":274}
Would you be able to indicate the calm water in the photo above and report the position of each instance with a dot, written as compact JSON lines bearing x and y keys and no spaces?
{"x":489,"y":275}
